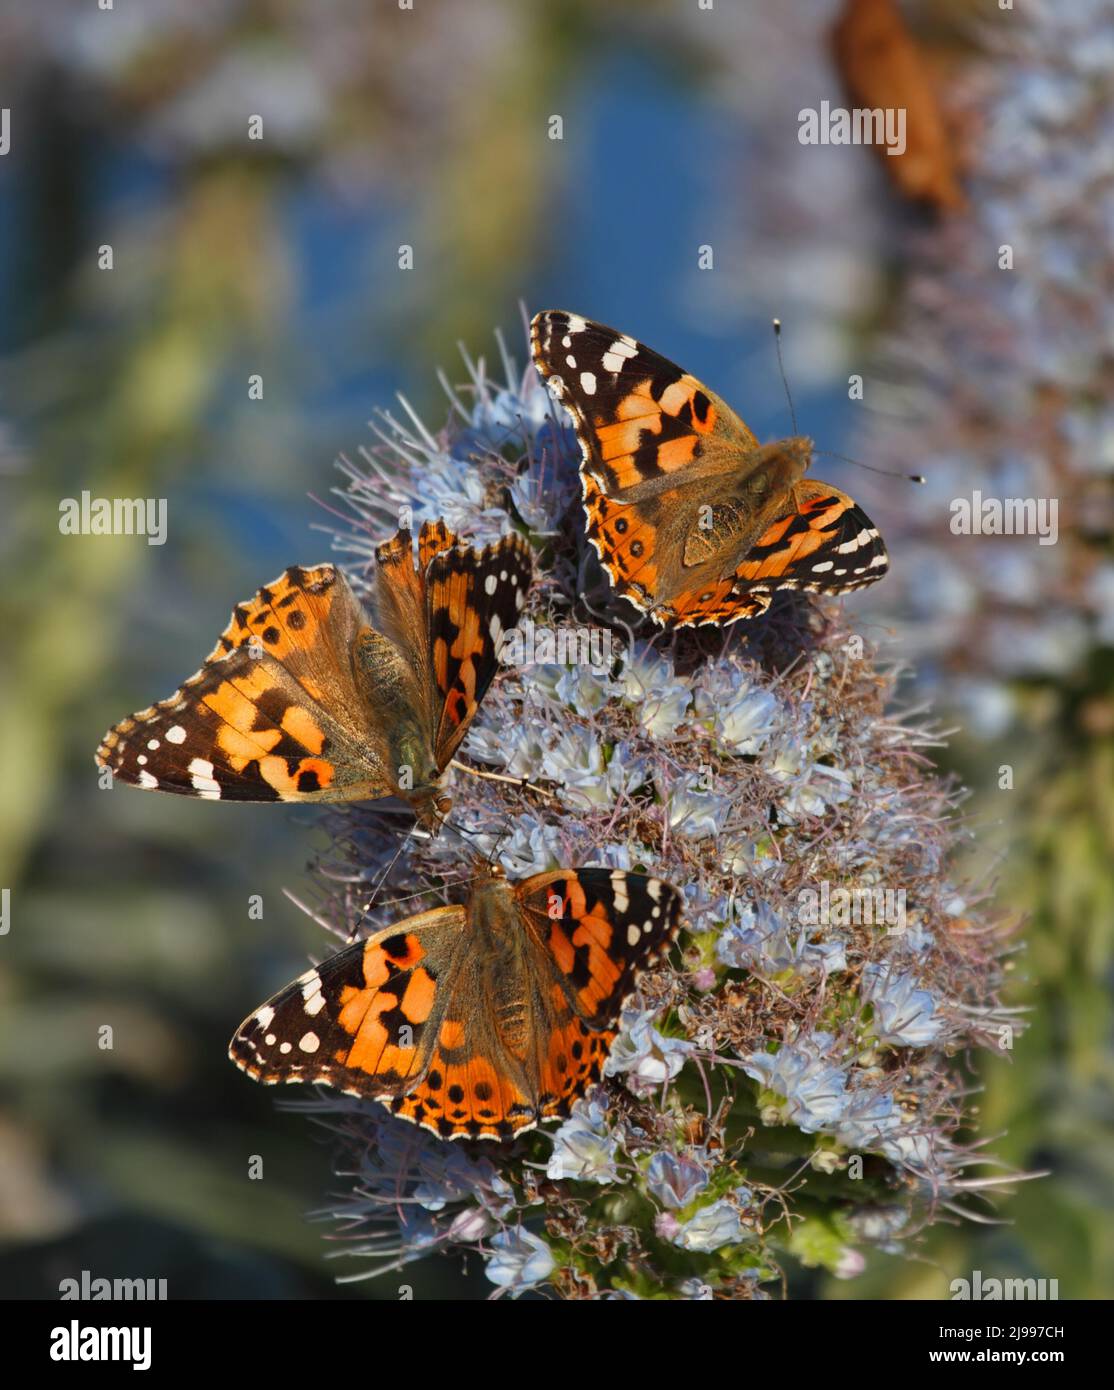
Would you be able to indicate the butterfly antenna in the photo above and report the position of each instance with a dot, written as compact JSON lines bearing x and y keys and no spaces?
{"x":445,"y":883}
{"x":378,"y":886}
{"x":870,"y":468}
{"x":503,"y":835}
{"x":464,"y":834}
{"x":784,"y":378}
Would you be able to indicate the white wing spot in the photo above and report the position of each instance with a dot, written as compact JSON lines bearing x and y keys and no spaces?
{"x":588,"y":383}
{"x":309,"y":1042}
{"x":286,"y":1047}
{"x":617,"y":353}
{"x":312,"y":997}
{"x":201,"y":775}
{"x":634,"y":936}
{"x":264,"y":1015}
{"x":176,"y":734}
{"x":270,"y":1039}
{"x":823,"y":566}
{"x":490,"y":585}
{"x":152,"y":744}
{"x":146,"y":780}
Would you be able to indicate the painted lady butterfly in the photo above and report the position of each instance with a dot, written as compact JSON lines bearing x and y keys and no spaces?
{"x":692,"y":519}
{"x":474,"y":1021}
{"x":302,"y":699}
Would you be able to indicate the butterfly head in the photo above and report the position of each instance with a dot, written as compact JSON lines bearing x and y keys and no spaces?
{"x":777,"y":466}
{"x":431,"y":806}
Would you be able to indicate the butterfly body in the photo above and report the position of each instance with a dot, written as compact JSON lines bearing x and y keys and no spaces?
{"x":308,"y":697}
{"x":693,"y":520}
{"x":476,"y":1020}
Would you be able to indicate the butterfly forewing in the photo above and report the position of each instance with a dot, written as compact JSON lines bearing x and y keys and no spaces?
{"x":638,"y":415}
{"x":600,"y":929}
{"x":364,"y":1021}
{"x":823,"y":542}
{"x":473,"y":600}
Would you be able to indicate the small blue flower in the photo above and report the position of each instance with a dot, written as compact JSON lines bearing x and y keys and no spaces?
{"x":815,"y":1091}
{"x":643,"y":1055}
{"x":520,"y":1260}
{"x":577,"y":763}
{"x":647,"y":681}
{"x":809,"y":787}
{"x":695,"y":812}
{"x":760,"y":940}
{"x":584,"y":689}
{"x":713,"y":1227}
{"x":743,"y":715}
{"x":583,"y":1147}
{"x":675,"y":1181}
{"x":904,"y":1013}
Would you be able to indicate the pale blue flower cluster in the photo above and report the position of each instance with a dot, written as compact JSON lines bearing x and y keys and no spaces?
{"x":732,"y":784}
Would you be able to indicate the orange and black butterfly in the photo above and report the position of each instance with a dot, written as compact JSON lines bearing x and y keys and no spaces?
{"x":307,"y":697}
{"x":478,"y":1020}
{"x":694,"y":521}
